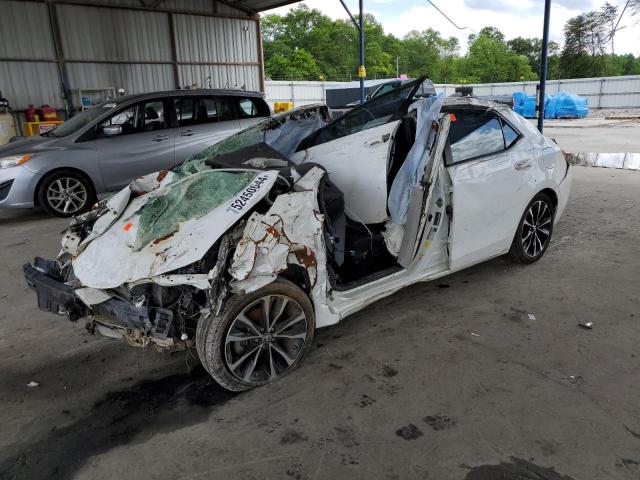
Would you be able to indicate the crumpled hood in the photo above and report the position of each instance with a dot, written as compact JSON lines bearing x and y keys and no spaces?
{"x":173,"y":224}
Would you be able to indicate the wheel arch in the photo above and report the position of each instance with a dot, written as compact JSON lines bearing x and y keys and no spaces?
{"x":549,"y":192}
{"x":36,"y":201}
{"x":299,"y":276}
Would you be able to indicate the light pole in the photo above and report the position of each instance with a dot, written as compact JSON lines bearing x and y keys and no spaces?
{"x":362,"y":73}
{"x":543,"y":64}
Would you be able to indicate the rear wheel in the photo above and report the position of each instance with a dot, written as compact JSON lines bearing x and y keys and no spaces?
{"x":258,"y":338}
{"x":534,"y":230}
{"x":65,"y":193}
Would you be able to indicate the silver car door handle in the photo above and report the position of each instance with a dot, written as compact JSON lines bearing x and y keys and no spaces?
{"x":187,"y":133}
{"x":522,"y":165}
{"x":159,"y":138}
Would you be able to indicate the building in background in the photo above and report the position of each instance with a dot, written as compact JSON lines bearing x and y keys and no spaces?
{"x":70,"y":54}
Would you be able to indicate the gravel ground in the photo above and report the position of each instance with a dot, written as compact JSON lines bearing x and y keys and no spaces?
{"x":605,"y":112}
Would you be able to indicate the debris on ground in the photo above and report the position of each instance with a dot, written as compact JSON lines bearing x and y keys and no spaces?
{"x":587,"y":325}
{"x":474,"y":334}
{"x":32,"y":384}
{"x":532,"y":316}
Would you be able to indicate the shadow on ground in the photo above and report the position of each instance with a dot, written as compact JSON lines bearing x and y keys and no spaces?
{"x":164,"y":405}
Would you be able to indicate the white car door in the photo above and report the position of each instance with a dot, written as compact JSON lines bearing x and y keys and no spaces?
{"x":489,"y":168}
{"x":357,"y":164}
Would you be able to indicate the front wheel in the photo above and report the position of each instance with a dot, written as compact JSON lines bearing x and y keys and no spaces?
{"x":65,"y":193}
{"x":534,"y":230}
{"x":258,"y":338}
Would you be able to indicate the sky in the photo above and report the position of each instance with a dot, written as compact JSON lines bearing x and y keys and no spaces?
{"x":523,"y":18}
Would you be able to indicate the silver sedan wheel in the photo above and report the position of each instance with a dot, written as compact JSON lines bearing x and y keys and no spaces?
{"x":536,"y":229}
{"x":265,"y":339}
{"x":67,"y":195}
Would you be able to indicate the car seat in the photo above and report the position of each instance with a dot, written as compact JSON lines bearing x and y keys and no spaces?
{"x":405,"y":138}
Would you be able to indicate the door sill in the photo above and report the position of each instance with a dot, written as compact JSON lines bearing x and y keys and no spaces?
{"x":372,"y":277}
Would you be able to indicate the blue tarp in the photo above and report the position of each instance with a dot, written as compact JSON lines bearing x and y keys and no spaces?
{"x":529,"y":107}
{"x":570,"y":105}
{"x":518,"y":102}
{"x":561,"y":105}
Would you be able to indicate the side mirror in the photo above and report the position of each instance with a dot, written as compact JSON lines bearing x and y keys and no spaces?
{"x":368,"y":97}
{"x":112,"y":130}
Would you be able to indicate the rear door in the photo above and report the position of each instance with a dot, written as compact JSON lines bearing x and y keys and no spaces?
{"x":489,"y":169}
{"x":202,"y":122}
{"x":145,"y":145}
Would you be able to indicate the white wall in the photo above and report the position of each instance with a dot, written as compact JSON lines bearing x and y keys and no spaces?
{"x":605,"y":92}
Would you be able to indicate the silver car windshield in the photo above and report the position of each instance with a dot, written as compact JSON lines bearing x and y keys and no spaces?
{"x":81,"y":120}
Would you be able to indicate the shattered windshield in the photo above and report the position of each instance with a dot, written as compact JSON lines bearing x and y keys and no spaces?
{"x":283,"y":133}
{"x":250,"y":136}
{"x":187,"y":199}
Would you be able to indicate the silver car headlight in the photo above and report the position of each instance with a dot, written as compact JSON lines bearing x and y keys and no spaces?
{"x":14,"y":160}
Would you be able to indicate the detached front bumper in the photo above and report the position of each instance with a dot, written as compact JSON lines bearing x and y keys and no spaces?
{"x":53,"y":294}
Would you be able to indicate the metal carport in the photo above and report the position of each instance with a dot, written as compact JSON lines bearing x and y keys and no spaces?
{"x":50,"y":49}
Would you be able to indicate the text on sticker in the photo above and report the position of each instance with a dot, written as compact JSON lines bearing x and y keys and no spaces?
{"x":243,"y":199}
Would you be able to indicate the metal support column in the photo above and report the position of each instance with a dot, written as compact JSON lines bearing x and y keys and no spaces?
{"x":362,"y":73}
{"x":174,"y":51}
{"x":543,"y":64}
{"x":60,"y":60}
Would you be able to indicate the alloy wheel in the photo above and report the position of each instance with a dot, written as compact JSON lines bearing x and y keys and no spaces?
{"x":536,"y":228}
{"x":265,"y":338}
{"x":67,"y":195}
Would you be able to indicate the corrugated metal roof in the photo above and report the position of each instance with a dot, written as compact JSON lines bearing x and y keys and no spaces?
{"x":199,"y":6}
{"x":222,"y":76}
{"x":210,"y":39}
{"x":133,"y":78}
{"x":204,"y":5}
{"x":260,"y":5}
{"x":94,"y":33}
{"x":25,"y":31}
{"x":36,"y":83}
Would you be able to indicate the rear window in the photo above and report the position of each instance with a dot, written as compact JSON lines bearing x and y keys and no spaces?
{"x":477,"y":133}
{"x":251,"y":108}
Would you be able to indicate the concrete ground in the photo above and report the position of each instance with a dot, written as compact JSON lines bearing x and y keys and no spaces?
{"x":596,"y":135}
{"x":482,"y":375}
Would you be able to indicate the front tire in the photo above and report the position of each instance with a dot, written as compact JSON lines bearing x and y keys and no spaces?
{"x":66,"y":193}
{"x":258,"y":338}
{"x":534,"y":230}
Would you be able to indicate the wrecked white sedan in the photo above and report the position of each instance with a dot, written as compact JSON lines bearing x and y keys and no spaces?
{"x":299,"y":221}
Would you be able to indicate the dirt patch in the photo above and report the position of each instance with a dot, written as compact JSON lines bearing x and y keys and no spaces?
{"x":518,"y":469}
{"x":409,"y":432}
{"x":165,"y":404}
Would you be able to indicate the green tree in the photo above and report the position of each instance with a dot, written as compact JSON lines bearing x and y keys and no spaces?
{"x":490,"y":60}
{"x":531,"y":48}
{"x":304,"y":44}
